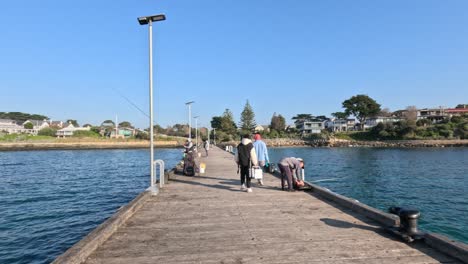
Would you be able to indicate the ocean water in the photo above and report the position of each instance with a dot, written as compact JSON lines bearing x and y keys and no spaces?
{"x":49,"y":200}
{"x":433,"y":180}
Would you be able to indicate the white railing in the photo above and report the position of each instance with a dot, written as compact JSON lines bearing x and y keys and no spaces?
{"x":161,"y":173}
{"x":230,"y":149}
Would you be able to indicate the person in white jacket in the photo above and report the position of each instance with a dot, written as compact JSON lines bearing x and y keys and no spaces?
{"x":245,"y":157}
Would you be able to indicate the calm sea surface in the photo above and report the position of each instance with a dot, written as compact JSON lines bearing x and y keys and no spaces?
{"x":434,"y":180}
{"x":49,"y":200}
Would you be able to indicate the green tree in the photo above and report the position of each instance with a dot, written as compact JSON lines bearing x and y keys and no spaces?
{"x":107,"y":126}
{"x":247,"y":120}
{"x":216,"y":122}
{"x":108,"y":123}
{"x":28,"y":125}
{"x":21,"y":117}
{"x":125,"y":124}
{"x":461,"y":130}
{"x":73,"y":122}
{"x":340,"y":115}
{"x":362,"y":107}
{"x":227,"y":123}
{"x":411,"y":113}
{"x":47,"y":131}
{"x":96,"y":129}
{"x":300,"y":118}
{"x":278,"y":122}
{"x":424,"y":122}
{"x":85,"y":133}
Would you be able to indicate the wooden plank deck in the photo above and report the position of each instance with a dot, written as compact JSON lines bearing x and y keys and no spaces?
{"x":207,"y":219}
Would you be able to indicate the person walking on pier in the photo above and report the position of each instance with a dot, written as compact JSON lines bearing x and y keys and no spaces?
{"x":287,"y":167}
{"x":206,"y":145}
{"x":245,"y":157}
{"x":262,"y":153}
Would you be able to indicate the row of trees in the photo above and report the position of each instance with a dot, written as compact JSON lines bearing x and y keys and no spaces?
{"x":456,"y":127}
{"x":226,"y":128}
{"x":21,"y":117}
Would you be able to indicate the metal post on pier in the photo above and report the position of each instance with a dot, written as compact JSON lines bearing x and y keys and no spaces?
{"x":196,"y":131}
{"x":143,"y":21}
{"x":190,"y":119}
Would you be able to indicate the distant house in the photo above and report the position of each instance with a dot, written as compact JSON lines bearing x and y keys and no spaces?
{"x":37,"y":124}
{"x":10,"y":126}
{"x":69,"y":130}
{"x":259,"y":128}
{"x":457,"y":111}
{"x":311,"y":127}
{"x":373,"y":121}
{"x":336,"y":124}
{"x":123,"y":132}
{"x":434,"y":114}
{"x":262,"y":128}
{"x":56,"y":124}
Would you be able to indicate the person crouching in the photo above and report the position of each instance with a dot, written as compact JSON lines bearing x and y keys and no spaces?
{"x":287,"y":167}
{"x":245,"y":157}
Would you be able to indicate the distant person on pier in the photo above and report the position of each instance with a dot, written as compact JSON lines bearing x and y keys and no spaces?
{"x":288,"y":166}
{"x":262,"y":153}
{"x":206,"y":145}
{"x":245,"y":157}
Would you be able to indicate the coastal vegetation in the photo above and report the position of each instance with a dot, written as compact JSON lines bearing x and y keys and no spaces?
{"x":361,"y":106}
{"x":21,"y":117}
{"x":373,"y":124}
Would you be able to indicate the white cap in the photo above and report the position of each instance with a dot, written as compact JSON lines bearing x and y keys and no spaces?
{"x":300,"y":159}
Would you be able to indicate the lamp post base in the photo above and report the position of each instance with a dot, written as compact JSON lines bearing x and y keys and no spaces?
{"x":153,"y":189}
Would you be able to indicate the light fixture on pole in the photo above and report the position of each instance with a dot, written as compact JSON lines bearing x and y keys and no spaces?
{"x":190,"y":119}
{"x":143,"y":21}
{"x":196,"y":130}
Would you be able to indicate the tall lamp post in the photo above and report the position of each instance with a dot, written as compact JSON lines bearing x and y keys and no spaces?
{"x":190,"y":119}
{"x":196,"y":130}
{"x":148,"y":20}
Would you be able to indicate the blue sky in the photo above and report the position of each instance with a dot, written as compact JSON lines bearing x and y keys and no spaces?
{"x":71,"y":59}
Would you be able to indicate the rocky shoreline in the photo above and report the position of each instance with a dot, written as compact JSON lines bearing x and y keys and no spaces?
{"x":17,"y":146}
{"x":353,"y":143}
{"x":339,"y":143}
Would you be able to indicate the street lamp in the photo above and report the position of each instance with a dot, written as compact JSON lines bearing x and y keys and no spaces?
{"x":190,"y":119}
{"x":196,"y":130}
{"x":143,"y":21}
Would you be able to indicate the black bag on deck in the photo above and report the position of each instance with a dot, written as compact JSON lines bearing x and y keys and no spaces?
{"x":244,"y":154}
{"x":189,"y":171}
{"x":189,"y":164}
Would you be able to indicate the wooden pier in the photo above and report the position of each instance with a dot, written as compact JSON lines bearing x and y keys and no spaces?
{"x":207,"y":219}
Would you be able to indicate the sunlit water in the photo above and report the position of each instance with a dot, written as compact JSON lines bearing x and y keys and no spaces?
{"x":434,"y":180}
{"x":49,"y":200}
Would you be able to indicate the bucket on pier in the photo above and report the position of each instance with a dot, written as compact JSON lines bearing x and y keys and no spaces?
{"x":202,"y":167}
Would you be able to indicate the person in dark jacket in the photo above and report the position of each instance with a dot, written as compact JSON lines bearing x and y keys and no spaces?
{"x":288,"y":166}
{"x":245,"y":157}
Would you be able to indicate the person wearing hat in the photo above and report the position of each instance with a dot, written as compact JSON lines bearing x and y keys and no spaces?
{"x":262,"y":153}
{"x":287,"y":167}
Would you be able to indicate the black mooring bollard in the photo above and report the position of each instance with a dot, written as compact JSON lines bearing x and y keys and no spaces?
{"x":408,"y":220}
